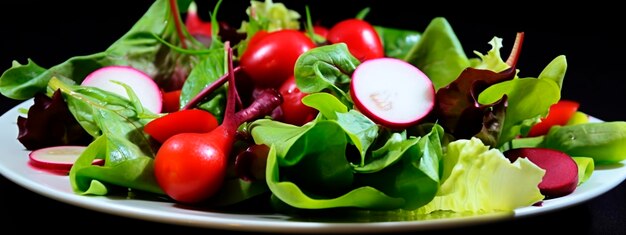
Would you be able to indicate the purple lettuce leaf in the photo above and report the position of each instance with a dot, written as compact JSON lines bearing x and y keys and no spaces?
{"x":459,"y":111}
{"x":50,"y":123}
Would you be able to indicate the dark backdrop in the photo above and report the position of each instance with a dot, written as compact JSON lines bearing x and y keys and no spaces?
{"x":588,"y":35}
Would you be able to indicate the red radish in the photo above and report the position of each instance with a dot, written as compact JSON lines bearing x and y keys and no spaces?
{"x":59,"y":158}
{"x":184,"y":121}
{"x":561,"y":176}
{"x":190,"y":167}
{"x":143,"y":85}
{"x":195,"y":25}
{"x":171,"y":101}
{"x":392,"y":92}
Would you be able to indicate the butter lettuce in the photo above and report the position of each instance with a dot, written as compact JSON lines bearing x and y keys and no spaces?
{"x":585,"y":168}
{"x":479,"y":179}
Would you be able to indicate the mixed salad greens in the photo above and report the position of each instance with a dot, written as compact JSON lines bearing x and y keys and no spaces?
{"x":314,"y":151}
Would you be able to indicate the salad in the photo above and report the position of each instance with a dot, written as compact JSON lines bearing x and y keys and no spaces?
{"x":288,"y":113}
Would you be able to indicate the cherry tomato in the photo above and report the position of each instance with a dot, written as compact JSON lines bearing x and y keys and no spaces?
{"x":269,"y":60}
{"x":293,"y":110}
{"x":360,"y":37}
{"x":184,"y":121}
{"x":171,"y":101}
{"x":257,"y":37}
{"x":559,"y":114}
{"x":320,"y":30}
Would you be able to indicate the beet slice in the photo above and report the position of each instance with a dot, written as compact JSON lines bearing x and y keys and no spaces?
{"x":561,"y":176}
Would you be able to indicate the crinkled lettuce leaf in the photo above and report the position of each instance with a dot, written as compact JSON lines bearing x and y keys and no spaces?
{"x":585,"y":168}
{"x":479,"y":179}
{"x":492,"y":60}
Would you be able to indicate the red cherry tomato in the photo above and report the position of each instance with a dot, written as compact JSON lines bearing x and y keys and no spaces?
{"x":558,"y":114}
{"x":269,"y":60}
{"x":360,"y":37}
{"x":320,"y":30}
{"x":257,"y":37}
{"x":293,"y":110}
{"x":184,"y":121}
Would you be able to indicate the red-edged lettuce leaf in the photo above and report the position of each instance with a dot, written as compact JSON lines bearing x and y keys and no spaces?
{"x":50,"y":123}
{"x":457,"y":107}
{"x":493,"y":118}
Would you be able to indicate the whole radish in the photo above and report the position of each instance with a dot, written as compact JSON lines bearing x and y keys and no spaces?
{"x":190,"y":167}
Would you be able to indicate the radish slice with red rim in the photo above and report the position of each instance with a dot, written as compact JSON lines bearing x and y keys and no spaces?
{"x":392,"y":92}
{"x":58,"y":157}
{"x":144,"y":86}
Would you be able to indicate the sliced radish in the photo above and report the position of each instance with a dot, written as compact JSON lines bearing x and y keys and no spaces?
{"x":143,"y":85}
{"x":392,"y":92}
{"x":58,"y":157}
{"x":561,"y":176}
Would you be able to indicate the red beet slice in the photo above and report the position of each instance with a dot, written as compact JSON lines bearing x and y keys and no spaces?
{"x":561,"y":176}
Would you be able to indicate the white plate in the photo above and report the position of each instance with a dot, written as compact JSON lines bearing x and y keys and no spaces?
{"x":14,"y":166}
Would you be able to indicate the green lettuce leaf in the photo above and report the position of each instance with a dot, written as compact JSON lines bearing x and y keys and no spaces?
{"x":528,"y":99}
{"x":361,"y":130}
{"x":585,"y":168}
{"x":207,"y":71}
{"x":303,"y":158}
{"x":439,"y":53}
{"x":116,"y":123}
{"x":479,"y":179}
{"x":269,"y":16}
{"x":326,"y":68}
{"x":605,"y":142}
{"x":493,"y":60}
{"x":397,"y":42}
{"x":555,"y":70}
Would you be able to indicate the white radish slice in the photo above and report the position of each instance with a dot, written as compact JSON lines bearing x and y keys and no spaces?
{"x":143,"y":85}
{"x":58,"y":157}
{"x":392,"y":92}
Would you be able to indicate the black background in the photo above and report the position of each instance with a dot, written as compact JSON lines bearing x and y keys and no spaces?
{"x":588,"y":35}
